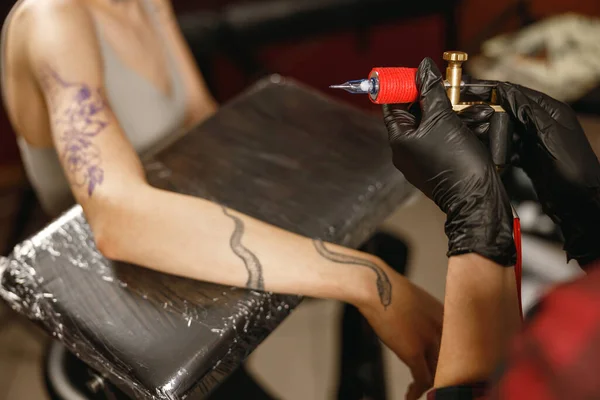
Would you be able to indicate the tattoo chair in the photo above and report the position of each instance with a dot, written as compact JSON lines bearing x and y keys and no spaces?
{"x":155,"y":336}
{"x":361,"y":375}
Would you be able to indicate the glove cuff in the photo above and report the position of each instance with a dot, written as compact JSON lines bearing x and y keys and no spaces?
{"x":505,"y":256}
{"x":482,"y":224}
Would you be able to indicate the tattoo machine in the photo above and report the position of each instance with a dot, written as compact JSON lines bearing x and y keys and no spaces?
{"x":397,"y":85}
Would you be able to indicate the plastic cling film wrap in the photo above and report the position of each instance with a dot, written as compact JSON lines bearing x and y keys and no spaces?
{"x":59,"y":279}
{"x":163,"y":337}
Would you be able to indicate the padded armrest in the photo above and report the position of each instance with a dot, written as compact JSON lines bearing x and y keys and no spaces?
{"x":281,"y":153}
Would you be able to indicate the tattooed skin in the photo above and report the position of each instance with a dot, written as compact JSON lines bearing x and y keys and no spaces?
{"x":79,"y":116}
{"x":384,"y":287}
{"x":252,"y":263}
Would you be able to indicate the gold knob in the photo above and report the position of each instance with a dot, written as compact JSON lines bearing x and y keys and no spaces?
{"x":454,"y":74}
{"x":456,"y":56}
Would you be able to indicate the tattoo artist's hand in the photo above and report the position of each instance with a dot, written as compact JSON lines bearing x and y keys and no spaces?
{"x":411,"y":326}
{"x":443,"y":158}
{"x":551,"y":147}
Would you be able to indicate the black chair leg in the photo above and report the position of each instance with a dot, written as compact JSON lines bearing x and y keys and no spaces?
{"x":240,"y":385}
{"x":27,"y":204}
{"x":362,"y":371}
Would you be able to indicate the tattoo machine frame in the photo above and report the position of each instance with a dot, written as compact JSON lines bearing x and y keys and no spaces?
{"x":397,"y":85}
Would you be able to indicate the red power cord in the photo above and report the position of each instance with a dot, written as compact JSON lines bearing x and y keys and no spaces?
{"x":518,"y":265}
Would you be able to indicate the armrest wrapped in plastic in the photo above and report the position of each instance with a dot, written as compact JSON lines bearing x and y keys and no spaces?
{"x":281,"y":153}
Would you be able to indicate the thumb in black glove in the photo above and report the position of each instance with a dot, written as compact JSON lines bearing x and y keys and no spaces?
{"x":439,"y":155}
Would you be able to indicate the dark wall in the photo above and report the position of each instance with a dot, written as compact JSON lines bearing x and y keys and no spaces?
{"x":9,"y":154}
{"x":336,"y":57}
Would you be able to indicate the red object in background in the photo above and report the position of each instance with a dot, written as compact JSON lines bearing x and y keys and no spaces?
{"x":519,"y":263}
{"x":323,"y":61}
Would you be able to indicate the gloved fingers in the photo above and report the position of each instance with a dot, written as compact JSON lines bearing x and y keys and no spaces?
{"x":396,"y":115}
{"x":513,"y":101}
{"x":432,"y":93}
{"x":477,"y":114}
{"x":398,"y":121}
{"x":557,"y":128}
{"x":481,"y":92}
{"x":477,"y":119}
{"x":415,"y":109}
{"x":523,"y":108}
{"x":481,"y":130}
{"x":483,"y":82}
{"x":548,"y":103}
{"x":555,"y":110}
{"x":523,"y":103}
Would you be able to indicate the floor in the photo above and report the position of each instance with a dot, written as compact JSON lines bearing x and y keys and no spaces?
{"x":21,"y":350}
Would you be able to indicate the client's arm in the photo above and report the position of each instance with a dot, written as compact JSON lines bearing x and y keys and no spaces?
{"x":173,"y":233}
{"x":195,"y":238}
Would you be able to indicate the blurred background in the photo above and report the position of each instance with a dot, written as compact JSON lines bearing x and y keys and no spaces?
{"x":552,"y":45}
{"x":322,"y":42}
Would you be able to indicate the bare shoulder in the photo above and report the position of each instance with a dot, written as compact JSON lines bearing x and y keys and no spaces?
{"x":55,"y":8}
{"x":29,"y":13}
{"x":34,"y":28}
{"x":51,"y":17}
{"x":45,"y":25}
{"x":164,"y":9}
{"x":63,"y":34}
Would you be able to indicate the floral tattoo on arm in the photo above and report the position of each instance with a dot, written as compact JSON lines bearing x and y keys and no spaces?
{"x":78,"y":117}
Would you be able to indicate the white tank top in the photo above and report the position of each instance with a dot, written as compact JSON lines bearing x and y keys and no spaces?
{"x":146,"y":115}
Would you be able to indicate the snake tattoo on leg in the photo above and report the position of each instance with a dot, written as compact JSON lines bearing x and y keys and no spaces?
{"x":384,"y":287}
{"x":252,"y":263}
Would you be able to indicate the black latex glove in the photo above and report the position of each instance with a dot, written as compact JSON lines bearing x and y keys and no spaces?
{"x":439,"y":155}
{"x":550,"y":145}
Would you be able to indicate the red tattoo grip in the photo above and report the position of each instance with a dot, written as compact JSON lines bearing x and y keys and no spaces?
{"x":396,"y":85}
